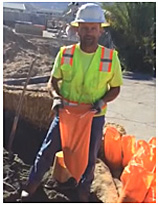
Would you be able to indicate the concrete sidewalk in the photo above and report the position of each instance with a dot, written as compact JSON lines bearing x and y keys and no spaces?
{"x":135,"y":107}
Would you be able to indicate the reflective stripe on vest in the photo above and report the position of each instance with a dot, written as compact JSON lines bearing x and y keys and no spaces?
{"x":67,"y":57}
{"x":106,"y":59}
{"x":73,"y":103}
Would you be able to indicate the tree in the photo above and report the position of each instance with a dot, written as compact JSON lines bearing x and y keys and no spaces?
{"x":133,"y":33}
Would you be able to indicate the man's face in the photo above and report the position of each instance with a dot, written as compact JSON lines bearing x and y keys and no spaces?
{"x":89,"y":33}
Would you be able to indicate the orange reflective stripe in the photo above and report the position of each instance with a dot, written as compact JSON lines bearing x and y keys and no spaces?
{"x":102,"y":56}
{"x":72,"y":53}
{"x":110,"y":63}
{"x":104,"y":106}
{"x":106,"y":60}
{"x":62,"y":59}
{"x":67,"y":55}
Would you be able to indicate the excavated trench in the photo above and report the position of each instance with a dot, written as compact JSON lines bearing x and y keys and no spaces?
{"x":31,"y":130}
{"x":27,"y":141}
{"x":28,"y":137}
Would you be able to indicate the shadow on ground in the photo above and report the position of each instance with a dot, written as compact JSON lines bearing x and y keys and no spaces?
{"x":137,"y":76}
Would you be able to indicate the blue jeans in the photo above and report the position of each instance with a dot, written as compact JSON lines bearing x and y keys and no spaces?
{"x":52,"y":144}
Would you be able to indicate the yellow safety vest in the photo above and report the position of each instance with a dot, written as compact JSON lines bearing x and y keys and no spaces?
{"x":80,"y":88}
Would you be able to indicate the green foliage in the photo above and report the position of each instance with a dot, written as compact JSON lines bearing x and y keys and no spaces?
{"x":133,"y":33}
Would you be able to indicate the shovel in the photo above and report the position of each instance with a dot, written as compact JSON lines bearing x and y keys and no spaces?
{"x":16,"y":118}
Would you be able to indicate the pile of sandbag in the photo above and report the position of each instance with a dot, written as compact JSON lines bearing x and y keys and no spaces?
{"x":138,"y":161}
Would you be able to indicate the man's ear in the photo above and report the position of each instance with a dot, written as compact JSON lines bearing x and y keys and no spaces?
{"x":101,"y":31}
{"x":76,"y":29}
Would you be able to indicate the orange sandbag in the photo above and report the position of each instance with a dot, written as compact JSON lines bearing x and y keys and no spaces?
{"x":152,"y":140}
{"x":112,"y":148}
{"x":128,"y":148}
{"x":138,"y":174}
{"x":146,"y":154}
{"x":151,"y":195}
{"x":59,"y":170}
{"x":75,"y":129}
{"x":136,"y":182}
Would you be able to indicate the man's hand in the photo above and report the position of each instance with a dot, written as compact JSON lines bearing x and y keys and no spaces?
{"x":57,"y":104}
{"x":97,"y":106}
{"x":50,"y":89}
{"x":108,"y":97}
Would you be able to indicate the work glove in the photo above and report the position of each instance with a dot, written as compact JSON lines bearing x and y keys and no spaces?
{"x":97,"y":106}
{"x":57,"y":104}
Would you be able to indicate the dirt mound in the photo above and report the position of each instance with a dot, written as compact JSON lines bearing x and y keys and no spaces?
{"x":10,"y":36}
{"x":20,"y":65}
{"x":15,"y":174}
{"x":19,"y":52}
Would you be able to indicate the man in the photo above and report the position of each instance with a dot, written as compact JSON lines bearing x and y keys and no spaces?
{"x":83,"y":73}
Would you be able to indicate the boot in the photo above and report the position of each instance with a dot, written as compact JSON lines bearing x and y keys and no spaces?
{"x":83,"y":195}
{"x":27,"y":191}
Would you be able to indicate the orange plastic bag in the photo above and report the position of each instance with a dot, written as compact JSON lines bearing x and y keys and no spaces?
{"x":75,"y":129}
{"x":112,"y":148}
{"x":138,"y":174}
{"x":128,"y":148}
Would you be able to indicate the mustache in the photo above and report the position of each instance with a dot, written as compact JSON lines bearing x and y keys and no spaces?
{"x":89,"y":36}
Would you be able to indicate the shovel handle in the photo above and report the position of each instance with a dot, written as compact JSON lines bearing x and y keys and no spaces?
{"x":16,"y":118}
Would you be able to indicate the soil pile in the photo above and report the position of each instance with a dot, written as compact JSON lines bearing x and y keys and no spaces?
{"x":19,"y":52}
{"x":10,"y":36}
{"x":16,"y":173}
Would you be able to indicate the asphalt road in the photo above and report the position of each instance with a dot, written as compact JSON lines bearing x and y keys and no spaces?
{"x":135,"y":107}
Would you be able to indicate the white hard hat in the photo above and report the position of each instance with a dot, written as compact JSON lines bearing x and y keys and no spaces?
{"x":90,"y":13}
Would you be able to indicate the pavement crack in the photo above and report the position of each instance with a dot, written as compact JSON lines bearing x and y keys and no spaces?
{"x":125,"y":119}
